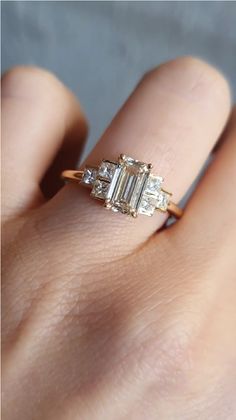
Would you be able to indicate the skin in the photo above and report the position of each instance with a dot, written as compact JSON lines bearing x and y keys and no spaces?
{"x":105,"y":316}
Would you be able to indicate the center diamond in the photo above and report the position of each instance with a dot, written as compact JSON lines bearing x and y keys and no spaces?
{"x":127,"y":185}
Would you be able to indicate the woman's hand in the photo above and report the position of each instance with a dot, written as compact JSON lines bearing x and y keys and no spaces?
{"x":104,"y":316}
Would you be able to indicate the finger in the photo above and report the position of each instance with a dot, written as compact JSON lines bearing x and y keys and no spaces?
{"x":186,"y":282}
{"x":172,"y":120}
{"x":210,"y":215}
{"x":39,"y":116}
{"x":201,"y":267}
{"x":204,"y":239}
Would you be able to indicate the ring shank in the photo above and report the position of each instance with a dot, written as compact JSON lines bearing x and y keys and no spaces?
{"x":174,"y":210}
{"x":72,"y":175}
{"x":76,"y":176}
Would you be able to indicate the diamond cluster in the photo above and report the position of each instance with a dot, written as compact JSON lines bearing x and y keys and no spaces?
{"x":127,"y":186}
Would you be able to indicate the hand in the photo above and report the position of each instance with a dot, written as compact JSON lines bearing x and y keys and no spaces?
{"x":104,"y":316}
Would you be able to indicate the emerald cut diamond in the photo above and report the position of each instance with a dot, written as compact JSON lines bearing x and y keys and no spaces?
{"x":127,"y":185}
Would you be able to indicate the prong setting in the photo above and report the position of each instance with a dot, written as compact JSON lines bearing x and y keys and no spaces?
{"x":121,"y":158}
{"x":134,"y":214}
{"x":107,"y":204}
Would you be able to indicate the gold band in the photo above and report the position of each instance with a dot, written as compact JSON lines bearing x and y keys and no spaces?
{"x":72,"y":176}
{"x":76,"y":176}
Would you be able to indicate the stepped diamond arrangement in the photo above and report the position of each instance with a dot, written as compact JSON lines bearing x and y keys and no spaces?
{"x":127,"y":186}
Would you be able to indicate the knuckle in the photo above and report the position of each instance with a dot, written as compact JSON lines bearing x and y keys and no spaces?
{"x":166,"y":360}
{"x":163,"y":338}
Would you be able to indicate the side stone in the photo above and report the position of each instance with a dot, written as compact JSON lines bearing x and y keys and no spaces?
{"x":106,"y":170}
{"x":163,"y":199}
{"x":147,"y":205}
{"x":154,"y":184}
{"x":100,"y":189}
{"x":89,"y":176}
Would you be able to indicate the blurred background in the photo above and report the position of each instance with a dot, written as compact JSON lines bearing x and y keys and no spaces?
{"x":101,"y":49}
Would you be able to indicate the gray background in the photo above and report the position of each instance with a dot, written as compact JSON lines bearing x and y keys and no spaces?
{"x":101,"y":49}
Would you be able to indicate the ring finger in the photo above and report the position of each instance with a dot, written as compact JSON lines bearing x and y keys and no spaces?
{"x":172,"y":120}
